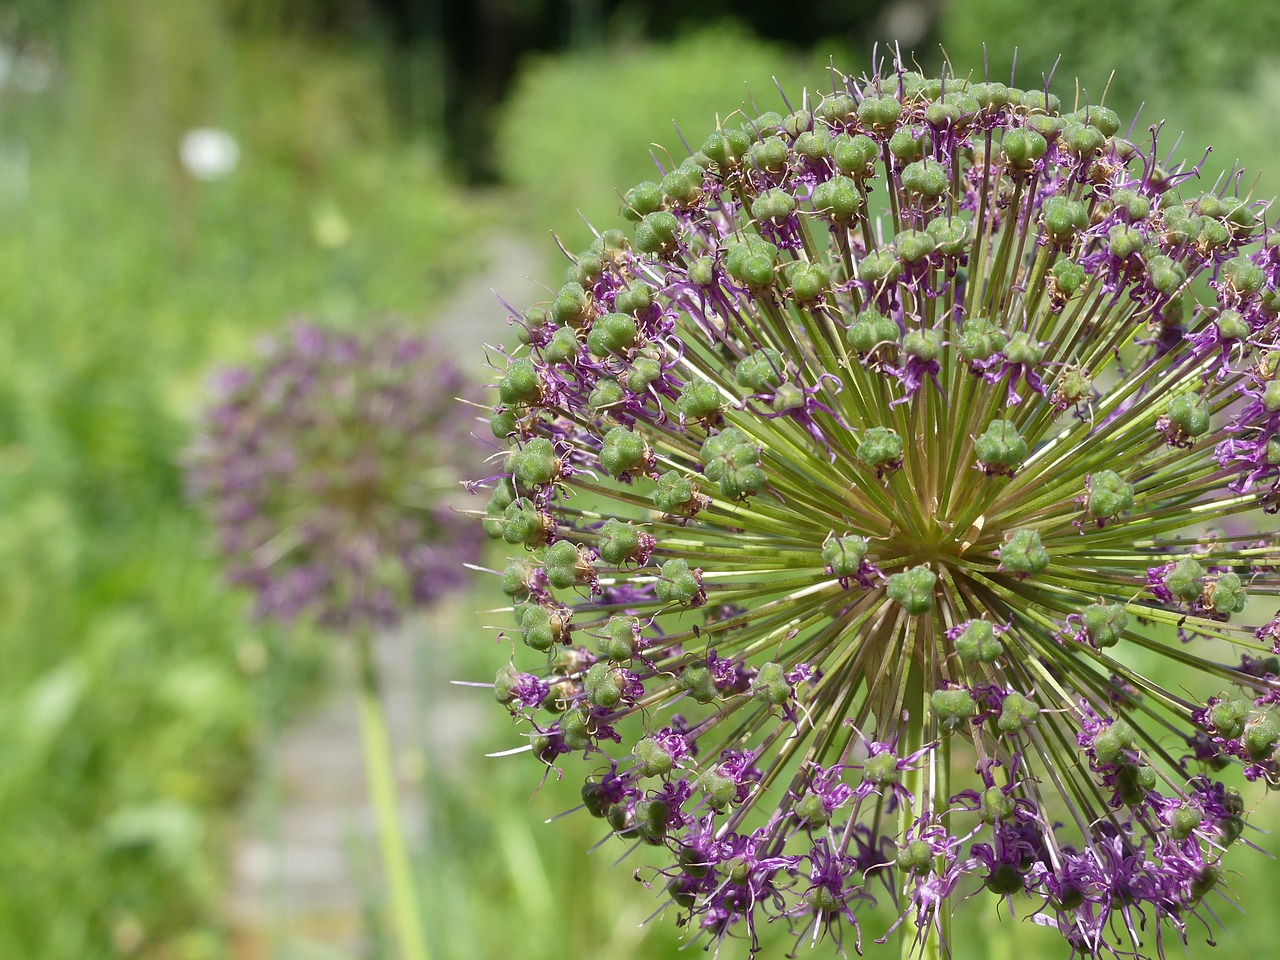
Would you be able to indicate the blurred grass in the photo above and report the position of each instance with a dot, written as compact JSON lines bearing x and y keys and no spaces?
{"x":126,"y":711}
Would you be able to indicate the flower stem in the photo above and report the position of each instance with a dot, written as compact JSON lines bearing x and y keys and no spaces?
{"x":380,"y":772}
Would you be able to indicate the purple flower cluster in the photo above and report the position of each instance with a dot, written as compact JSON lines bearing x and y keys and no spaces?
{"x":856,"y":489}
{"x":329,"y":469}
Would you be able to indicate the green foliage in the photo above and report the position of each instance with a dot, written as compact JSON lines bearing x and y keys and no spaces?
{"x":127,"y":699}
{"x":575,"y":134}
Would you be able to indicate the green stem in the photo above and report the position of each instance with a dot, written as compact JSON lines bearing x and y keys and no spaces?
{"x":380,"y":771}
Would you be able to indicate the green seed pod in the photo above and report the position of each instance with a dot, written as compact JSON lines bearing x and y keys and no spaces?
{"x":566,"y":565}
{"x":996,"y":806}
{"x":1022,"y":148}
{"x":952,"y":708}
{"x":752,"y":261}
{"x":676,"y":495}
{"x":623,"y":451}
{"x":813,"y":145}
{"x":880,"y":447}
{"x":912,"y":589}
{"x":1184,"y":822}
{"x":699,"y":400}
{"x":1105,"y":623}
{"x":1001,"y":448}
{"x":1063,"y":219}
{"x":916,"y":858}
{"x":611,"y":335}
{"x":760,"y":372}
{"x":521,"y":384}
{"x":504,"y":423}
{"x":733,"y":459}
{"x":658,"y":233}
{"x":978,"y":643}
{"x":637,"y":296}
{"x":912,"y":246}
{"x":652,"y":759}
{"x":1188,"y":413}
{"x":1024,"y":554}
{"x":1228,"y":718}
{"x":679,"y":584}
{"x":879,"y":266}
{"x":542,"y":627}
{"x":644,"y":371}
{"x":1225,"y":595}
{"x":950,"y":235}
{"x":854,"y":156}
{"x":697,"y":680}
{"x":1113,"y":743}
{"x":809,"y":281}
{"x":605,"y":394}
{"x":1016,"y":713}
{"x":927,"y":178}
{"x":1185,"y":580}
{"x":980,"y":339}
{"x":603,"y":685}
{"x":536,"y":464}
{"x":880,"y":112}
{"x":562,"y":347}
{"x":837,"y":198}
{"x":924,"y":344}
{"x":906,"y":146}
{"x":620,"y":640}
{"x":620,"y":542}
{"x":871,"y":330}
{"x":683,"y":185}
{"x":641,"y":200}
{"x":774,"y":205}
{"x":572,"y":305}
{"x":769,"y":686}
{"x":843,"y":556}
{"x":837,"y":108}
{"x":769,"y":154}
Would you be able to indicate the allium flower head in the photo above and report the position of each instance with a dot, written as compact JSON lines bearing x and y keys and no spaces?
{"x":327,"y":468}
{"x":865,"y":497}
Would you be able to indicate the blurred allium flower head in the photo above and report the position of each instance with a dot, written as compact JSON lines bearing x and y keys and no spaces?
{"x":329,"y":469}
{"x":867,"y":498}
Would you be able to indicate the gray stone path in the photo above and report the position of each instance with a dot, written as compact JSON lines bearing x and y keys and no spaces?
{"x":298,"y":890}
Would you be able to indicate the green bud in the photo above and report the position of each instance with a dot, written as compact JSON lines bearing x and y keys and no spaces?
{"x":643,"y":372}
{"x":990,"y":96}
{"x":657,"y":233}
{"x":1105,"y":623}
{"x":786,"y":398}
{"x":575,"y":729}
{"x":879,"y":447}
{"x":652,"y":760}
{"x":952,"y":708}
{"x":980,"y":339}
{"x":1243,"y":275}
{"x":719,"y":790}
{"x":854,"y":156}
{"x":1226,"y":594}
{"x":774,"y":205}
{"x":562,"y":347}
{"x":912,"y":589}
{"x":916,"y":857}
{"x":808,"y":280}
{"x":1068,"y":276}
{"x":725,"y":148}
{"x":837,"y":198}
{"x":619,"y":641}
{"x":844,"y":555}
{"x":697,"y":680}
{"x":1040,"y":102}
{"x":680,"y":585}
{"x":912,"y":246}
{"x":769,"y":154}
{"x":641,"y":200}
{"x":881,"y":769}
{"x":606,"y":393}
{"x":1024,"y":554}
{"x":928,"y":178}
{"x":683,"y":185}
{"x":702,"y":271}
{"x":1204,"y":882}
{"x":1111,"y":744}
{"x":878,"y":266}
{"x":1189,"y":415}
{"x":623,"y":451}
{"x":699,"y":400}
{"x":612,"y":334}
{"x":950,"y":235}
{"x":1186,"y":580}
{"x":1133,"y":782}
{"x":1064,"y":218}
{"x":761,"y":371}
{"x":572,"y":305}
{"x":733,"y":459}
{"x":906,"y":146}
{"x":504,"y":423}
{"x":504,"y":494}
{"x":1135,"y":204}
{"x":1016,"y":713}
{"x":1022,"y":148}
{"x":752,"y":261}
{"x":871,"y":330}
{"x":837,"y":108}
{"x":1228,"y":718}
{"x":536,"y":464}
{"x":515,"y":578}
{"x":1021,"y":348}
{"x":603,"y":685}
{"x":978,"y":643}
{"x":813,"y":145}
{"x":566,"y":565}
{"x":542,"y":627}
{"x":637,"y":296}
{"x":797,"y":122}
{"x":1167,"y":276}
{"x":1082,"y":140}
{"x":1185,"y":820}
{"x":1124,"y":241}
{"x":675,"y":495}
{"x":522,"y":383}
{"x":881,"y":112}
{"x":995,"y":806}
{"x":769,"y":686}
{"x":1107,"y":495}
{"x":810,"y":809}
{"x":620,"y":542}
{"x":1001,"y":448}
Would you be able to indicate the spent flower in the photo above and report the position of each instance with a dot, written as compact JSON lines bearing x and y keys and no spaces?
{"x":329,"y":469}
{"x":918,"y":403}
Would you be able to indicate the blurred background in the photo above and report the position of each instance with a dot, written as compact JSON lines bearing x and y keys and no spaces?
{"x":178,"y":179}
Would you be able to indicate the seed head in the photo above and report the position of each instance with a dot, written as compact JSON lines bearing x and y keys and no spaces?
{"x":328,"y":469}
{"x":928,"y":411}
